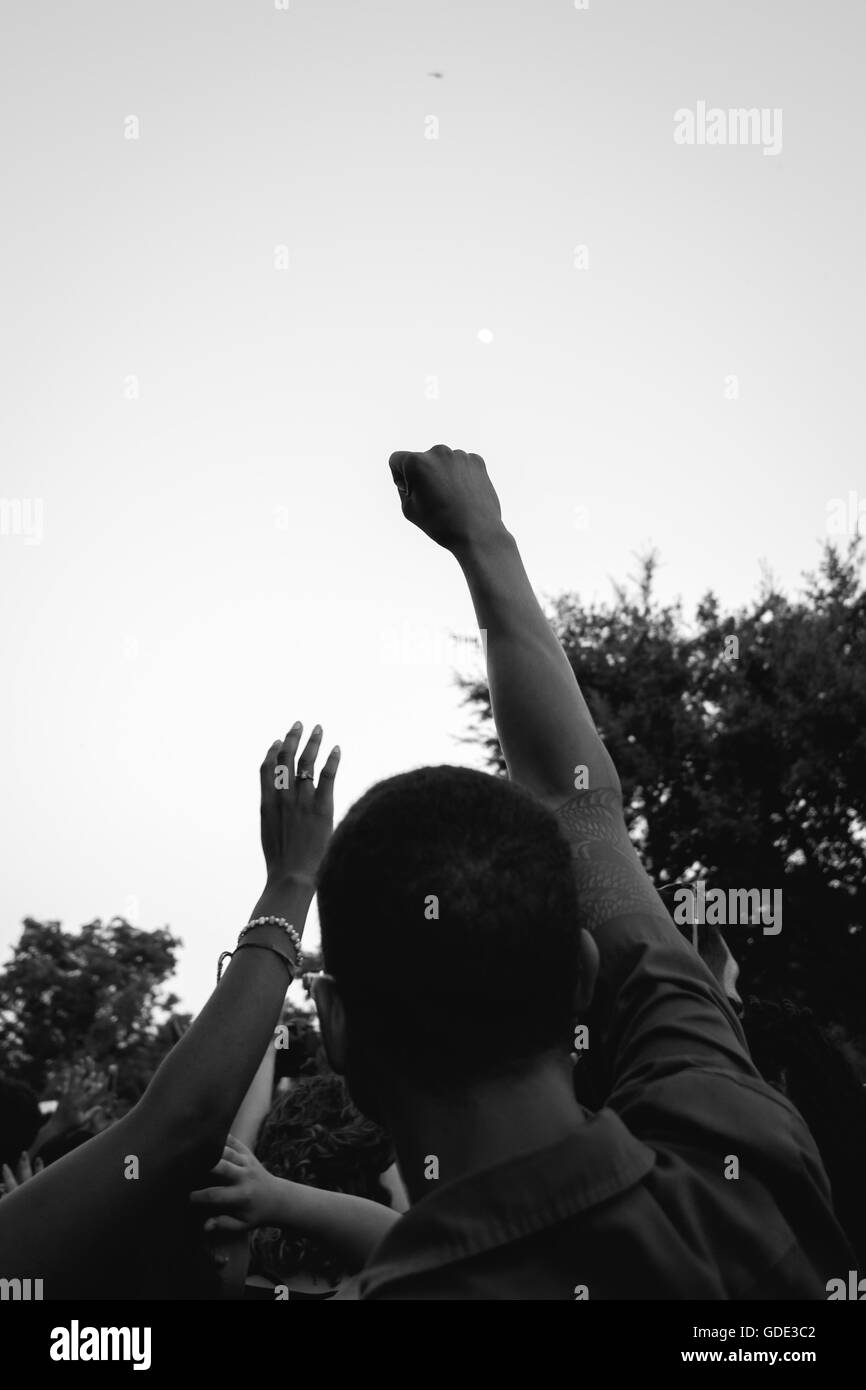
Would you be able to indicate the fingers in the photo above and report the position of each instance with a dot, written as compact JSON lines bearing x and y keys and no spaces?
{"x":286,"y":756}
{"x":307,"y":760}
{"x":408,"y":468}
{"x":224,"y":1225}
{"x":233,"y":1157}
{"x":25,"y":1172}
{"x":38,"y":1166}
{"x":210,"y":1197}
{"x":9,"y":1182}
{"x":267,"y":774}
{"x":237,"y":1147}
{"x":224,"y":1169}
{"x":397,"y":464}
{"x":325,"y":789}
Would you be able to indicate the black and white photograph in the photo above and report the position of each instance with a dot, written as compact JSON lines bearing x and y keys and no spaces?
{"x":433,"y":719}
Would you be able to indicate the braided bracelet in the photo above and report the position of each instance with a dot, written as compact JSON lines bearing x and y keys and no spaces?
{"x":284,"y":926}
{"x":256,"y":946}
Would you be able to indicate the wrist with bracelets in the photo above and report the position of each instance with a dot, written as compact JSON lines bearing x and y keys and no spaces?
{"x":293,"y":965}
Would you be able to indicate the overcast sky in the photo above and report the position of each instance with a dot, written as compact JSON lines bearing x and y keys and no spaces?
{"x":314,"y":253}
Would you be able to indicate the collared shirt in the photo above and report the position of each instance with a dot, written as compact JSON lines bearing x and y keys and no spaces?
{"x":697,"y":1180}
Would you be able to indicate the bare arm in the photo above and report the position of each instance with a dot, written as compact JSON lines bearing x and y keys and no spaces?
{"x":257,"y":1101}
{"x":232,"y":1250}
{"x":542,"y":720}
{"x":546,"y":732}
{"x":100,"y":1197}
{"x":350,"y":1226}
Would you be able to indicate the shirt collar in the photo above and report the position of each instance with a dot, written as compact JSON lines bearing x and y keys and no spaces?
{"x":521,"y":1197}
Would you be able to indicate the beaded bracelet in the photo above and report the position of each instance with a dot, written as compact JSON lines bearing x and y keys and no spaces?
{"x":285,"y":926}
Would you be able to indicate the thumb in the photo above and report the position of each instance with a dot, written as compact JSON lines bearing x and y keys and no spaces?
{"x":224,"y":1225}
{"x":396,"y":464}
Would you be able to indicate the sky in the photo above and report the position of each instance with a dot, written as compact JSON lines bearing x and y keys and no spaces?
{"x":249,"y":251}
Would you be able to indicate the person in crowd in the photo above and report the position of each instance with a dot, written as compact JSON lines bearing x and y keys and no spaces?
{"x":20,"y":1119}
{"x":319,"y":1193}
{"x":314,"y":1136}
{"x":230,"y":1247}
{"x":464,"y":921}
{"x":113,"y":1218}
{"x":469,"y":924}
{"x":798,"y":1057}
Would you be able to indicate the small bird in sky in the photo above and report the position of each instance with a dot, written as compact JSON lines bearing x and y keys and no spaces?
{"x":435,"y":74}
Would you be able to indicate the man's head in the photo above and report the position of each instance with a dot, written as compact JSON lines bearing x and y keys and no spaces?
{"x":450,"y":935}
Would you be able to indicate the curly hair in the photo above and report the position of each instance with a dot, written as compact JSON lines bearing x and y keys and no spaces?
{"x":314,"y":1135}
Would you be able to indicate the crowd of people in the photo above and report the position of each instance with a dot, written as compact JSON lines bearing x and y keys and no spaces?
{"x":531,"y":1083}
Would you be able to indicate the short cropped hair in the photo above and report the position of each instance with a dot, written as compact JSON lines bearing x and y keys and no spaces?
{"x":449,"y":922}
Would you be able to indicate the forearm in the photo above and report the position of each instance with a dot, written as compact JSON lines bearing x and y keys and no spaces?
{"x":257,"y":1101}
{"x":546,"y":732}
{"x":542,"y":720}
{"x":209,"y":1071}
{"x":350,"y":1226}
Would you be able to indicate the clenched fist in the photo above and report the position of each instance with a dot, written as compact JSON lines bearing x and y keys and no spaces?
{"x":448,"y":494}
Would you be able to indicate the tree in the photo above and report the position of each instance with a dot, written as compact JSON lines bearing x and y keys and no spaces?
{"x":740,"y":740}
{"x":93,"y":999}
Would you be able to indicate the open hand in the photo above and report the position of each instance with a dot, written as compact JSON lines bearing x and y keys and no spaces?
{"x":297,"y":815}
{"x":22,"y":1173}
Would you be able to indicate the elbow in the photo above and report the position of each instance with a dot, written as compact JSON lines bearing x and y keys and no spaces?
{"x":190,"y":1138}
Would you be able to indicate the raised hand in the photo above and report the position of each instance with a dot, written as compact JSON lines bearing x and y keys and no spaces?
{"x":448,"y":494}
{"x":23,"y":1173}
{"x":297,"y":816}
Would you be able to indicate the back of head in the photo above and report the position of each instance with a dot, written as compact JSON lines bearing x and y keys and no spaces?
{"x":450,"y":924}
{"x":20,"y":1119}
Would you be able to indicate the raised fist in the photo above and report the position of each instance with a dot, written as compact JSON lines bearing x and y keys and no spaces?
{"x":448,"y":494}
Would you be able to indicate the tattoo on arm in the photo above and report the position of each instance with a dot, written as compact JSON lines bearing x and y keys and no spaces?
{"x":611,"y":880}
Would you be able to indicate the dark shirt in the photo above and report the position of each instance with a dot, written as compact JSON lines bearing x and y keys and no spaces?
{"x":635,"y":1204}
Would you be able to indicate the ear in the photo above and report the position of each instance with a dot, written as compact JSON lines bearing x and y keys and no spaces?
{"x":332,"y":1017}
{"x":588,"y":962}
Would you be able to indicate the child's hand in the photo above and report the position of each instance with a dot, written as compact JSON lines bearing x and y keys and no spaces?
{"x":246,"y":1194}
